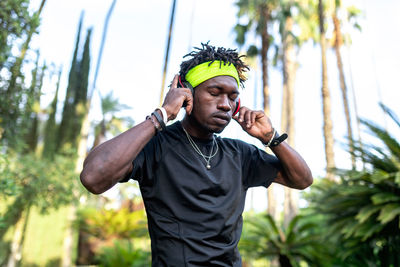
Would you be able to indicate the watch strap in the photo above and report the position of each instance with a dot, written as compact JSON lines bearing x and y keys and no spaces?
{"x":278,"y":139}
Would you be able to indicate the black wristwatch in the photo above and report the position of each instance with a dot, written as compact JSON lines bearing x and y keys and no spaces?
{"x":276,"y":140}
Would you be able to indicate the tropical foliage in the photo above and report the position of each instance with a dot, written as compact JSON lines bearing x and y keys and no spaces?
{"x":263,"y":238}
{"x":362,"y":211}
{"x":124,"y":253}
{"x":113,"y":235}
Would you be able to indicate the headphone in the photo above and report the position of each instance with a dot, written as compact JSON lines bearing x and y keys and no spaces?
{"x":188,"y":85}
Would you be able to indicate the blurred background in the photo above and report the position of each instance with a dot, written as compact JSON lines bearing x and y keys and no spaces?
{"x":76,"y":73}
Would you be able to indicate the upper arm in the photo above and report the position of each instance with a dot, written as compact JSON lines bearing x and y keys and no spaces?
{"x":300,"y":179}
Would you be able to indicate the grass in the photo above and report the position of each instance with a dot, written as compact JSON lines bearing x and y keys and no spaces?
{"x":44,"y":238}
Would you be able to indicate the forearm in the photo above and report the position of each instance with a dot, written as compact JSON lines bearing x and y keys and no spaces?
{"x":111,"y":161}
{"x":295,"y":171}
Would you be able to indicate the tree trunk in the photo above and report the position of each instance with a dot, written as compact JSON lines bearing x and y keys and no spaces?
{"x":343,"y":87}
{"x":354,"y":97}
{"x":15,"y":210}
{"x":15,"y":255}
{"x":290,"y":207}
{"x":18,"y":240}
{"x":272,"y":205}
{"x":68,"y":240}
{"x":171,"y":23}
{"x":264,"y":58}
{"x":326,"y":99}
{"x":16,"y":244}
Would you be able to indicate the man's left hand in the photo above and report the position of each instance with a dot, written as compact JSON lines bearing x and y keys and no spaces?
{"x":255,"y":123}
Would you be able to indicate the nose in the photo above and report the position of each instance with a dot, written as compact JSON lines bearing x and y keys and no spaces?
{"x":224,"y":103}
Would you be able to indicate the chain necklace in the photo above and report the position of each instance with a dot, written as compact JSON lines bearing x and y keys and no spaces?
{"x":206,"y":158}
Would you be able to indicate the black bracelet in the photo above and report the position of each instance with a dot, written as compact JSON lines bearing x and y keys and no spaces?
{"x":159,"y":119}
{"x":156,"y":126}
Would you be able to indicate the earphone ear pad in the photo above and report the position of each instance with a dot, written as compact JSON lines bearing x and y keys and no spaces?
{"x":236,"y":108}
{"x":185,"y":84}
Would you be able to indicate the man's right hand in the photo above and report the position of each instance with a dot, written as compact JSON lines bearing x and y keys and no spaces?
{"x":175,"y":98}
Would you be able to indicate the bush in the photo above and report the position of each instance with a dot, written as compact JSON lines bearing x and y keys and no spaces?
{"x":123,"y":253}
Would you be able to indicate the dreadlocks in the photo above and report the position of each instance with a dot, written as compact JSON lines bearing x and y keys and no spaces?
{"x":209,"y":53}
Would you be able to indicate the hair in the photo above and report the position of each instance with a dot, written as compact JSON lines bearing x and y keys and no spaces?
{"x":210,"y":53}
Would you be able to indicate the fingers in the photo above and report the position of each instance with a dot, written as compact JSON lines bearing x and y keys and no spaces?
{"x":247,"y":118}
{"x":178,"y":97}
{"x":174,"y":83}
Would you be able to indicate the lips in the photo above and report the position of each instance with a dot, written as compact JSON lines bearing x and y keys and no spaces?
{"x":222,"y":118}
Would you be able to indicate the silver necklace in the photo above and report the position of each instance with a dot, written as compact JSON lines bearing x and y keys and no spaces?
{"x":206,"y":158}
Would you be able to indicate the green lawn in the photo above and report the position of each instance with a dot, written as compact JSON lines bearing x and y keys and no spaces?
{"x":43,"y":244}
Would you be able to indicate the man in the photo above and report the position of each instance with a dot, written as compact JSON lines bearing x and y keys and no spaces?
{"x":193,"y":183}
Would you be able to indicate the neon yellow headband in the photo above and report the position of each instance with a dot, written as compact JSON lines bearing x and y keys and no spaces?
{"x":204,"y":71}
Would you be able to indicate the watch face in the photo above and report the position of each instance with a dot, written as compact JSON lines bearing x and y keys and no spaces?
{"x":279,"y":140}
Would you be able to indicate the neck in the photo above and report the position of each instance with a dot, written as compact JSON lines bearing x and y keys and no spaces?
{"x":193,"y":128}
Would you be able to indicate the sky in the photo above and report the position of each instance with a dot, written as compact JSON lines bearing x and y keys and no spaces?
{"x":132,"y":63}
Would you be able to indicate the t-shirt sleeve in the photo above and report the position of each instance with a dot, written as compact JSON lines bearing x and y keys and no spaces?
{"x":259,"y":167}
{"x":145,"y":162}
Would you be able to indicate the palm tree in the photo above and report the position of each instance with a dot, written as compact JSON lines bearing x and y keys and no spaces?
{"x":258,"y":13}
{"x":264,"y":239}
{"x":286,"y":22}
{"x":171,"y":23}
{"x":109,"y":122}
{"x":363,"y":209}
{"x":338,"y":41}
{"x":326,"y":99}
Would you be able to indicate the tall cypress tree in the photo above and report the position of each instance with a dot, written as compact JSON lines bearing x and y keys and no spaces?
{"x":68,"y":111}
{"x":80,"y":99}
{"x":51,"y":127}
{"x":33,"y":125}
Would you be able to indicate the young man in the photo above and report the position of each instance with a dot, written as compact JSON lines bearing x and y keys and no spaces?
{"x":193,"y":183}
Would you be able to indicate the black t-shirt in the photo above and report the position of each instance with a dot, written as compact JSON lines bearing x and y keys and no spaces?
{"x":195,"y":214}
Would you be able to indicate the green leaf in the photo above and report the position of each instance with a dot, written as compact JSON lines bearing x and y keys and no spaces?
{"x":252,"y":51}
{"x":389,"y":212}
{"x":241,"y":31}
{"x":381,"y":198}
{"x":372,"y":229}
{"x":397,"y":178}
{"x":366,"y":212}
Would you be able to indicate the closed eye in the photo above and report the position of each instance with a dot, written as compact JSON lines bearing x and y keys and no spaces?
{"x":233,"y":97}
{"x":214,"y":92}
